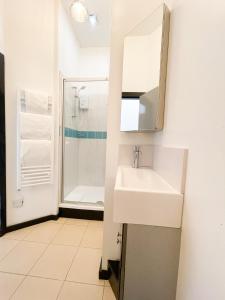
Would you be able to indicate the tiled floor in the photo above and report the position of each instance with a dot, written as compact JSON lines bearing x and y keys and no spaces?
{"x":53,"y":260}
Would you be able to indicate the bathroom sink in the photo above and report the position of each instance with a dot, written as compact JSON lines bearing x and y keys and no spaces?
{"x":141,"y":196}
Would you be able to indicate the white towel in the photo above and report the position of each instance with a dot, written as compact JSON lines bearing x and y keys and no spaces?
{"x":35,"y":153}
{"x":34,"y":126}
{"x":36,"y":103}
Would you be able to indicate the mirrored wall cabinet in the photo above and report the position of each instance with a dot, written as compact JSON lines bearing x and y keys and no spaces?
{"x":144,"y":73}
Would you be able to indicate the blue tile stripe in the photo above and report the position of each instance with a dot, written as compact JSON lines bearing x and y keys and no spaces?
{"x":72,"y":133}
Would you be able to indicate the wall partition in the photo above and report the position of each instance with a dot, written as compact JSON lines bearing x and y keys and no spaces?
{"x":84,"y":142}
{"x":2,"y":149}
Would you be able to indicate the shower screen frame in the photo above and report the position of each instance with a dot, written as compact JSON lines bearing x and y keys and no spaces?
{"x":62,"y":123}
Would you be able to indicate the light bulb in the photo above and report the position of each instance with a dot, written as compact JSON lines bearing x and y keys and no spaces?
{"x":79,"y":12}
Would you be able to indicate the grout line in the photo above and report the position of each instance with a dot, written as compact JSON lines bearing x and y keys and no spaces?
{"x":73,"y":259}
{"x":34,"y":276}
{"x":78,"y":247}
{"x":85,"y":247}
{"x":47,"y":247}
{"x":60,"y":229}
{"x":75,"y":255}
{"x":28,"y":276}
{"x":34,"y":264}
{"x":21,"y":239}
{"x":103,"y":293}
{"x":85,"y":231}
{"x":85,"y":283}
{"x":19,"y":242}
{"x":47,"y":278}
{"x":75,"y":226}
{"x":22,"y":281}
{"x":72,"y":244}
{"x":60,"y":290}
{"x":9,"y":251}
{"x":7,"y":272}
{"x":51,"y":239}
{"x":86,"y":227}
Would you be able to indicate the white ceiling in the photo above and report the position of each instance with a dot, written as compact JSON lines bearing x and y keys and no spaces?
{"x":98,"y":36}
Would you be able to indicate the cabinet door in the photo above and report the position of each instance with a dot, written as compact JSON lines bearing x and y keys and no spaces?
{"x":149,"y":263}
{"x":123,"y":262}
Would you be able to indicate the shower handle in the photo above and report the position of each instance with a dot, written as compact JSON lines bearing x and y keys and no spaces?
{"x":76,"y":115}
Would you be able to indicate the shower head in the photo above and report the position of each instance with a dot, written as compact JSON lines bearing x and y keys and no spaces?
{"x":78,"y":89}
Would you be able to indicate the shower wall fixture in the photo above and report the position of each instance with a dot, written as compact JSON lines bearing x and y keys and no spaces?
{"x":77,"y":100}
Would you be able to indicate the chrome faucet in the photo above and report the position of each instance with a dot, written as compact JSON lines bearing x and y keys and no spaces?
{"x":136,"y":156}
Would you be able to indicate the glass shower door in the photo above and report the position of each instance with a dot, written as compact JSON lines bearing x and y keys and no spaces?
{"x":85,"y":104}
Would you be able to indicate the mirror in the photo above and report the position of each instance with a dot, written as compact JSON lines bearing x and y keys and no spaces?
{"x":144,"y":73}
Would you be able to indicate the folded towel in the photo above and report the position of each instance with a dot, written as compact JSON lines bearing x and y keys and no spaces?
{"x":36,"y":103}
{"x":34,"y":126}
{"x":35,"y":153}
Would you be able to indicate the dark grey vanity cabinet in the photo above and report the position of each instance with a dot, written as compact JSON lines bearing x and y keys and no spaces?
{"x":149,"y":263}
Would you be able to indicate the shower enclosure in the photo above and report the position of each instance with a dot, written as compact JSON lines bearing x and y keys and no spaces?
{"x":84,"y":142}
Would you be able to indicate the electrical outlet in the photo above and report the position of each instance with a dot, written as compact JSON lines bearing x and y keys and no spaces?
{"x":18,"y":203}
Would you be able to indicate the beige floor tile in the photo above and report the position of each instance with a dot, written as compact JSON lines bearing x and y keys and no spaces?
{"x":8,"y":284}
{"x":94,"y":224}
{"x":77,"y":291}
{"x":93,"y":238}
{"x":18,"y":234}
{"x":22,"y":257}
{"x":34,"y":288}
{"x":6,"y":246}
{"x":43,"y":233}
{"x":55,"y":262}
{"x":107,"y":284}
{"x":108,"y":294}
{"x":76,"y":222}
{"x":59,"y":221}
{"x":85,"y":267}
{"x":69,"y":235}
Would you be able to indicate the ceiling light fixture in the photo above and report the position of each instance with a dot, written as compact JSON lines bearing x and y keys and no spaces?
{"x":79,"y":12}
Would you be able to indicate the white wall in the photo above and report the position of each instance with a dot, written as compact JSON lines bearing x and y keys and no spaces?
{"x":94,"y":62}
{"x":68,"y":45}
{"x":195,"y":118}
{"x":30,"y":28}
{"x":2,"y":26}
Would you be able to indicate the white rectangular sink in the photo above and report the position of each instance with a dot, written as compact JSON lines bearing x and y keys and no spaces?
{"x":141,"y":196}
